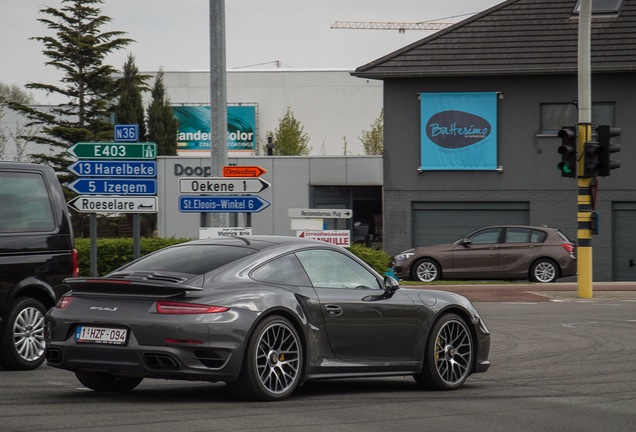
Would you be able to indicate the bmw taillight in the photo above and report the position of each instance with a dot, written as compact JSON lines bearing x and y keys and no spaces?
{"x":75,"y":264}
{"x":167,"y":307}
{"x":569,"y":247}
{"x":63,"y":302}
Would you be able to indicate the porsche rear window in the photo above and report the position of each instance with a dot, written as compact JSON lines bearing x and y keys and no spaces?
{"x":192,"y":259}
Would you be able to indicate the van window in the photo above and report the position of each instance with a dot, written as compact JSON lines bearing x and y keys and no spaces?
{"x":24,"y":203}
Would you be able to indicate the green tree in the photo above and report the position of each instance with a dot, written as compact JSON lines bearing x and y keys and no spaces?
{"x":289,"y":138}
{"x":163,"y":126}
{"x":130,"y":107}
{"x":373,"y":139}
{"x":78,"y":49}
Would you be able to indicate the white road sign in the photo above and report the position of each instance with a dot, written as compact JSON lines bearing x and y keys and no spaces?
{"x":114,"y":204}
{"x":319,"y":213}
{"x":222,"y":185}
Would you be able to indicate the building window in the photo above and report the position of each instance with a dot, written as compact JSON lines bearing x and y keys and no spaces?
{"x":554,"y":116}
{"x":366,"y":203}
{"x":601,"y":6}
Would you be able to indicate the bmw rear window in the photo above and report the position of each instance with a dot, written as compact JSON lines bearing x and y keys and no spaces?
{"x":192,"y":259}
{"x":564,"y":237}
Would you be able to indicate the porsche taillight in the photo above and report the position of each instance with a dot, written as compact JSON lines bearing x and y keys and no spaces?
{"x":167,"y":307}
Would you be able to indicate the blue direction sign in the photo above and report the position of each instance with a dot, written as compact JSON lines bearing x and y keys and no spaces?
{"x":222,"y":204}
{"x":113,"y":186}
{"x":126,"y":132}
{"x":112,"y":168}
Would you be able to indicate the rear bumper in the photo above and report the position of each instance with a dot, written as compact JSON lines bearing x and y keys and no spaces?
{"x":186,"y":363}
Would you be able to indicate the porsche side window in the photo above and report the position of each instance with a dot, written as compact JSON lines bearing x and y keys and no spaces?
{"x":330,"y":269}
{"x":487,"y":236}
{"x":286,"y":271}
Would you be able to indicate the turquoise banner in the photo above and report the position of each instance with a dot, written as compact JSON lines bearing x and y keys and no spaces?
{"x":194,"y":127}
{"x":459,"y":131}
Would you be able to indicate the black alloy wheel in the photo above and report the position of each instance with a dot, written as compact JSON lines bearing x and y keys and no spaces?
{"x":449,"y":355}
{"x":273,"y":362}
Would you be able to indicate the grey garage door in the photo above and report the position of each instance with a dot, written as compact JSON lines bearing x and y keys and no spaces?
{"x":624,"y":242}
{"x":445,"y":222}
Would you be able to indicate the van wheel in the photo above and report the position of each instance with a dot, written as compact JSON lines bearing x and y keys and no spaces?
{"x":22,"y":335}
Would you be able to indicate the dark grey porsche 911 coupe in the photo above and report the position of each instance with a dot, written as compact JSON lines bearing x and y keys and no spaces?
{"x":263,"y":314}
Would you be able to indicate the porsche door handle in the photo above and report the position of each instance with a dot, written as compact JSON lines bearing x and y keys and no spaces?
{"x":333,"y":310}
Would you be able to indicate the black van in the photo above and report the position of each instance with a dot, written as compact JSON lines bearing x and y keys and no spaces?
{"x":36,"y":254}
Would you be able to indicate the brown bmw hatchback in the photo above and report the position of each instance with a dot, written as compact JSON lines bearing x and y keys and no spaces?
{"x":540,"y":254}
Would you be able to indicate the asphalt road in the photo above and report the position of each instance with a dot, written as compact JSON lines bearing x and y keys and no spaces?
{"x":566,"y":365}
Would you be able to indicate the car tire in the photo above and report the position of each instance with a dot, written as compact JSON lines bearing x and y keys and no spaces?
{"x":448,"y":357}
{"x":106,"y":382}
{"x":426,"y":270}
{"x":273,"y":362}
{"x":544,"y":271}
{"x":22,"y":335}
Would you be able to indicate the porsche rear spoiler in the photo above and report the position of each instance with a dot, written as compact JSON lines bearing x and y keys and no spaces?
{"x":126,"y":288}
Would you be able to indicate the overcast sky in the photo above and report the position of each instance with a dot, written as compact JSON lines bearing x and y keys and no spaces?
{"x":175,"y":33}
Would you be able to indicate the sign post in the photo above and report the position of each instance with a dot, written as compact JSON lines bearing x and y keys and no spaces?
{"x":114,"y":177}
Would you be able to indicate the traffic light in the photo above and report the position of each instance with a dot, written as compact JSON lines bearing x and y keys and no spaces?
{"x":604,"y":133}
{"x":591,"y":151}
{"x":567,"y":151}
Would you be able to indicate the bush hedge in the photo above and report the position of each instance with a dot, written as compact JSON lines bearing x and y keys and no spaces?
{"x":113,"y":253}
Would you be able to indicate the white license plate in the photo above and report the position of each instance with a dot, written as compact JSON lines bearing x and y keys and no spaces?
{"x":104,"y":335}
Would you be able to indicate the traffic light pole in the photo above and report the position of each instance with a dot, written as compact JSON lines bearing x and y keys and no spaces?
{"x":584,"y":214}
{"x":584,"y":218}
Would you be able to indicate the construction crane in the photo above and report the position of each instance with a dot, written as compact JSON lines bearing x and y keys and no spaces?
{"x":401,"y":26}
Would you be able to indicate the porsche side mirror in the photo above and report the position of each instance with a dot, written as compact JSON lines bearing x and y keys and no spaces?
{"x":391,"y":284}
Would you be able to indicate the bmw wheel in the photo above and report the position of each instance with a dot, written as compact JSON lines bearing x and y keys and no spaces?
{"x":273,"y":362}
{"x":22,"y":335}
{"x":106,"y":382}
{"x":449,"y":355}
{"x":544,"y":271}
{"x":426,"y":270}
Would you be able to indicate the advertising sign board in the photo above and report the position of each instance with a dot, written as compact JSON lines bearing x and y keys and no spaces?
{"x":336,"y":237}
{"x":194,"y":127}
